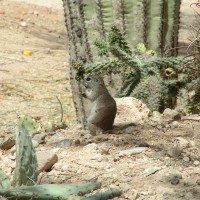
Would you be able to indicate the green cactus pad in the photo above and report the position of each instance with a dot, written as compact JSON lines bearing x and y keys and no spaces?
{"x":4,"y":180}
{"x":26,"y":170}
{"x":30,"y":124}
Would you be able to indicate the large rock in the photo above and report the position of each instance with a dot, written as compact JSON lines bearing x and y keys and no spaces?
{"x":130,"y":110}
{"x":46,"y":159}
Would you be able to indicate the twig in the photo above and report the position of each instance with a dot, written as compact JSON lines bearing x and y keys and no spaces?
{"x":61,"y":108}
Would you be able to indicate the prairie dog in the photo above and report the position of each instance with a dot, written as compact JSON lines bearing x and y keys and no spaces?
{"x":102,"y":114}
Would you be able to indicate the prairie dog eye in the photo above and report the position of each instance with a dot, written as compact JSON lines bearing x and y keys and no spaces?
{"x":88,"y":79}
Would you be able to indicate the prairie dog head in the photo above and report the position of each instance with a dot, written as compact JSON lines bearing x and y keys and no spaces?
{"x":94,"y":87}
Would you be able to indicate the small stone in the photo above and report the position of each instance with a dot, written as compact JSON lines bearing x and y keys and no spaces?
{"x":64,"y":143}
{"x":134,"y":150}
{"x":97,"y":157}
{"x":171,"y":115}
{"x":35,"y":143}
{"x":174,"y":124}
{"x":24,"y":24}
{"x":64,"y":167}
{"x":151,"y":170}
{"x":198,"y":182}
{"x":115,"y":159}
{"x":196,"y":162}
{"x":132,"y":195}
{"x":46,"y":160}
{"x":105,"y":148}
{"x":164,"y":178}
{"x":175,"y":180}
{"x":35,"y":13}
{"x":174,"y":152}
{"x":182,"y":143}
{"x":186,"y":159}
{"x":47,"y":50}
{"x":39,"y":137}
{"x":93,"y":147}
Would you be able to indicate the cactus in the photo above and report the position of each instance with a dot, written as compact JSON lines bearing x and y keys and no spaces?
{"x":152,"y":22}
{"x":4,"y":180}
{"x":31,"y":126}
{"x":56,"y":192}
{"x":26,"y":170}
{"x":151,"y":79}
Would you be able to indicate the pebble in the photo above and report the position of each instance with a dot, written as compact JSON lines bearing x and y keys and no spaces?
{"x":198,"y":182}
{"x":174,"y":152}
{"x":24,"y":24}
{"x":175,"y":181}
{"x":93,"y":147}
{"x":98,"y":157}
{"x":174,"y":124}
{"x":186,"y":159}
{"x":134,"y":150}
{"x":133,"y":194}
{"x":182,"y":143}
{"x":64,"y":143}
{"x":64,"y":167}
{"x":151,"y":170}
{"x":196,"y":162}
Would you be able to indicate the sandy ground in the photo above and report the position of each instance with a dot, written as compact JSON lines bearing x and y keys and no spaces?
{"x":168,"y":168}
{"x":56,"y":4}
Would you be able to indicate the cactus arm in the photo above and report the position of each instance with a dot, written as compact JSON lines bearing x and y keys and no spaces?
{"x":154,"y":24}
{"x":135,"y":21}
{"x":170,"y":24}
{"x":104,"y":195}
{"x":4,"y":180}
{"x":26,"y":170}
{"x":50,"y":191}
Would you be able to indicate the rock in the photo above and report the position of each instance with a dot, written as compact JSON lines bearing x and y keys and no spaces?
{"x":98,"y":157}
{"x":24,"y":24}
{"x":64,"y":167}
{"x":198,"y":182}
{"x":174,"y":152}
{"x":64,"y":143}
{"x":39,"y":137}
{"x":175,"y":179}
{"x":105,"y":148}
{"x":174,"y":124}
{"x":130,"y":110}
{"x":93,"y":147}
{"x":35,"y":143}
{"x":47,"y":50}
{"x":134,"y":150}
{"x":133,"y":195}
{"x":46,"y":159}
{"x":151,"y":170}
{"x":182,"y":143}
{"x":186,"y":159}
{"x":170,"y":115}
{"x":196,"y":162}
{"x":58,"y":136}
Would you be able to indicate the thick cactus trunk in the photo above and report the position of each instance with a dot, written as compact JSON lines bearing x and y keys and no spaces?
{"x":79,"y":49}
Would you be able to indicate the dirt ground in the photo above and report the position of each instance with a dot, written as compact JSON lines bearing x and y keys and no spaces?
{"x":168,"y":166}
